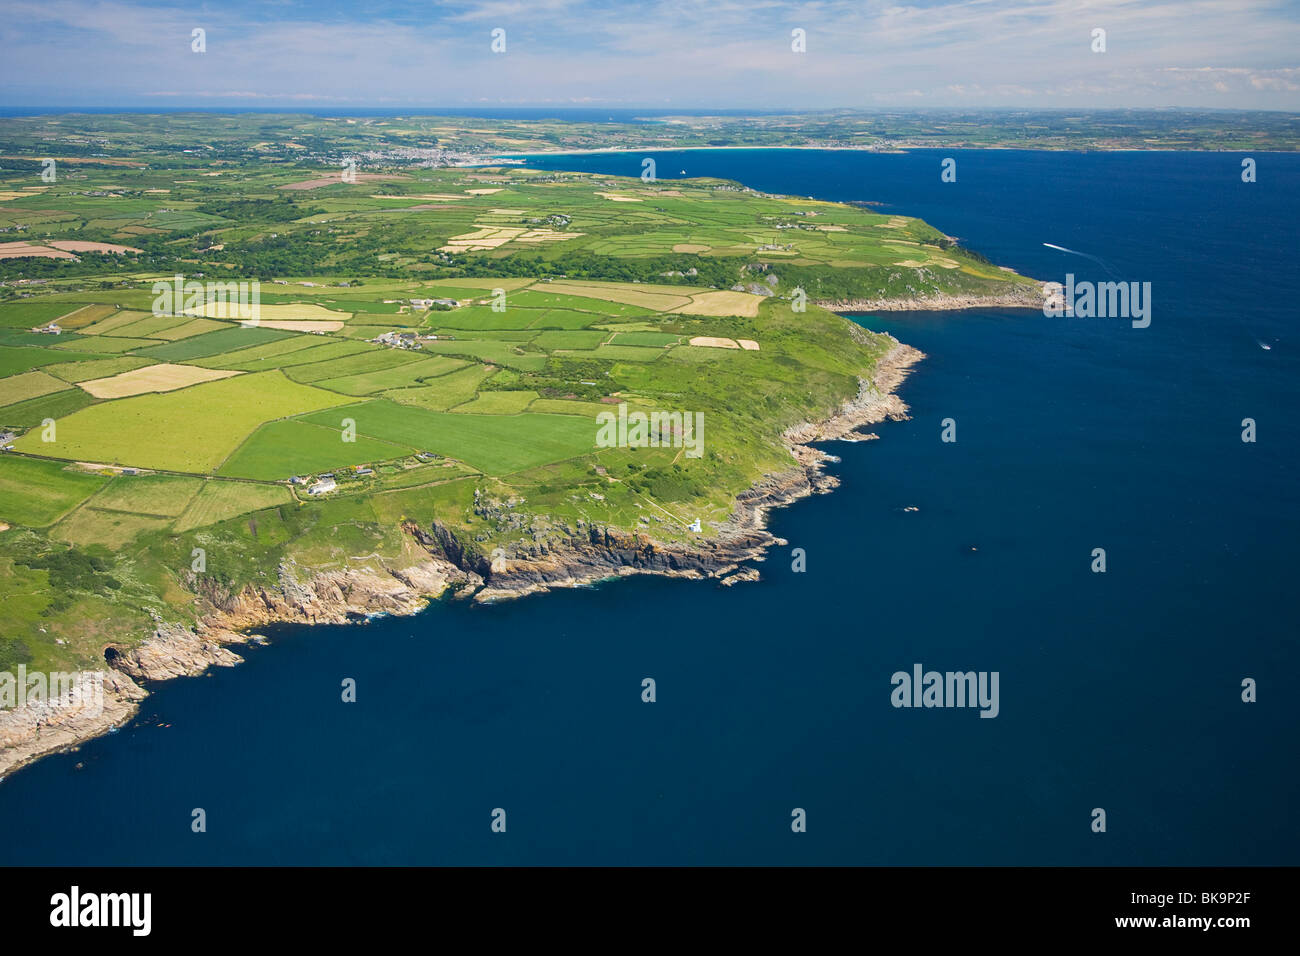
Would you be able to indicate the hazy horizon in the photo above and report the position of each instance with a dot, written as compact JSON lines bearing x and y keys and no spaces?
{"x":952,"y":54}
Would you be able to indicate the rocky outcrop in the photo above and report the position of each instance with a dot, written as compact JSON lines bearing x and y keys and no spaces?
{"x":174,"y":651}
{"x":1014,"y":297}
{"x":610,"y":552}
{"x":742,"y":574}
{"x":101,"y":701}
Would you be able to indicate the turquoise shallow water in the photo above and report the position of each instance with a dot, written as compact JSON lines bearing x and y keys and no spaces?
{"x":1118,"y":690}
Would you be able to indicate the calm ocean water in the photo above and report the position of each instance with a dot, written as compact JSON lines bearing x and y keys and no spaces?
{"x":1118,"y":690}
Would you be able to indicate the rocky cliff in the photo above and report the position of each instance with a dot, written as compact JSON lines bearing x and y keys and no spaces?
{"x":580,"y":556}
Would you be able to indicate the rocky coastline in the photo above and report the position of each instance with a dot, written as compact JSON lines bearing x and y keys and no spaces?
{"x":349,"y":595}
{"x":1017,"y":297}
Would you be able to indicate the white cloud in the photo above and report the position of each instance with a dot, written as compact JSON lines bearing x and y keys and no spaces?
{"x":721,"y":53}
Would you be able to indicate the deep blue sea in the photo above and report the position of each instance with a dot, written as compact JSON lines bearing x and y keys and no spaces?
{"x":1119,"y":690}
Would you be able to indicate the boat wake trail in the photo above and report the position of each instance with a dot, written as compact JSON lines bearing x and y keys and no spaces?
{"x":1075,"y":252}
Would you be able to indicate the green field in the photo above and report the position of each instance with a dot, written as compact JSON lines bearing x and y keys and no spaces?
{"x":96,"y":368}
{"x":212,"y":343}
{"x":158,"y":495}
{"x":222,"y":500}
{"x":15,"y":360}
{"x":318,"y":350}
{"x":266,"y":356}
{"x":443,"y":392}
{"x":34,"y":493}
{"x":371,"y":360}
{"x":552,"y":340}
{"x":19,"y":388}
{"x":497,"y":403}
{"x":88,"y":526}
{"x":508,"y":354}
{"x":26,"y":315}
{"x":403,"y":376}
{"x":494,"y":444}
{"x":108,"y":344}
{"x":295,"y":447}
{"x":33,"y":411}
{"x":158,"y":431}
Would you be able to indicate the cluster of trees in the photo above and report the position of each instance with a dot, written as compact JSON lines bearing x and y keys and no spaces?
{"x":280,"y":209}
{"x":668,"y":483}
{"x":286,"y":254}
{"x":12,"y":653}
{"x":561,"y":377}
{"x":71,"y":570}
{"x":583,"y":264}
{"x":90,"y":263}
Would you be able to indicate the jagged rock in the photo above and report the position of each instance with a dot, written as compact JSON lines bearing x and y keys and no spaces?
{"x":39,"y":728}
{"x":744,"y":574}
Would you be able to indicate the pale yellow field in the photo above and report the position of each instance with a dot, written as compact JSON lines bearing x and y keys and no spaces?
{"x":714,"y":342}
{"x":615,"y":197}
{"x":110,"y":322}
{"x":78,"y":245}
{"x":492,"y":237}
{"x":423,"y":196}
{"x":749,"y":345}
{"x":19,"y":250}
{"x":723,"y":303}
{"x":292,"y":326}
{"x":295,"y":312}
{"x":622,"y":292}
{"x":6,"y":195}
{"x":690,"y":247}
{"x":481,"y":192}
{"x":483,"y":238}
{"x":153,"y":378}
{"x":87,"y":315}
{"x":546,"y":235}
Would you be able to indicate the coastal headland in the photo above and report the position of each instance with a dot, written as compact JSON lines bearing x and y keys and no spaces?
{"x":412,"y":412}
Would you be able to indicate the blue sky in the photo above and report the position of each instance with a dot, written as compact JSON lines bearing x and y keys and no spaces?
{"x":678,"y":54}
